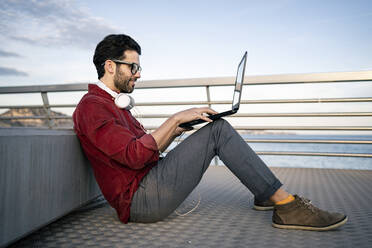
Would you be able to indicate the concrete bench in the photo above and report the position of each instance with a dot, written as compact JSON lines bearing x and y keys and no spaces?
{"x":43,"y":176}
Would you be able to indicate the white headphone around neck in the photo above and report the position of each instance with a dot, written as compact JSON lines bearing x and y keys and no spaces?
{"x":122,"y":100}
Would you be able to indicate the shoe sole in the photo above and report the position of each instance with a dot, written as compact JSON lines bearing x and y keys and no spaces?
{"x":261,"y":208}
{"x":310,"y":228}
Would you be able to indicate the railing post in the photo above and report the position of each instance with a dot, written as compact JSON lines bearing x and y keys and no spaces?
{"x":209,"y":105}
{"x":208,"y":95}
{"x":46,"y":107}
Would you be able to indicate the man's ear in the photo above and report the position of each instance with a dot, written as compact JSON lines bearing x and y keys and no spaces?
{"x":110,"y":67}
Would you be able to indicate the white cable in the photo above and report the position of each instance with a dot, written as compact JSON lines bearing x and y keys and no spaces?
{"x":138,"y":117}
{"x":179,"y":138}
{"x":137,"y":113}
{"x":193,"y":209}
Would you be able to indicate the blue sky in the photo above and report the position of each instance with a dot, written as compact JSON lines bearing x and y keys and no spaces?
{"x":49,"y":42}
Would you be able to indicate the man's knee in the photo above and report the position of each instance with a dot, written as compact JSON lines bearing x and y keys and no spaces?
{"x":220,"y":121}
{"x":221,"y":124}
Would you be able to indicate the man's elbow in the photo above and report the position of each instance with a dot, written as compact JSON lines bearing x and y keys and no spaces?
{"x":136,"y":165}
{"x":128,"y":160}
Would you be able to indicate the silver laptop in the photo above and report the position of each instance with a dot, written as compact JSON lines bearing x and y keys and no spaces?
{"x":236,"y":96}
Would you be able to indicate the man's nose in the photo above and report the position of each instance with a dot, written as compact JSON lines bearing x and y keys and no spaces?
{"x":138,"y":74}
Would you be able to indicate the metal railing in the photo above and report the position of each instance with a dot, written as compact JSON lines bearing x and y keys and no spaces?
{"x":207,"y":83}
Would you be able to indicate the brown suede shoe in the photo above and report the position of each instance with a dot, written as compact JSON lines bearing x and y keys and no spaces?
{"x":301,"y":214}
{"x":263,"y":206}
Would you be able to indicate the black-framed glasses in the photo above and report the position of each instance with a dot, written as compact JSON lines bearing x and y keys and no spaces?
{"x":134,"y":67}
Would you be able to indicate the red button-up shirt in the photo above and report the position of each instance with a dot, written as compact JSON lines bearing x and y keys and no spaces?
{"x":117,"y":146}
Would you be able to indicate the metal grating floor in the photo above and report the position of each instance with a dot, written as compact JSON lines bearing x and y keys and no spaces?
{"x":225,"y":217}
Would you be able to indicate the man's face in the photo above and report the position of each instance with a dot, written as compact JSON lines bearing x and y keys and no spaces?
{"x":124,"y":80}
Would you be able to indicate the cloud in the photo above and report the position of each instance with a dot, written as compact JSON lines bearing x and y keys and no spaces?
{"x":8,"y":54}
{"x":51,"y":23}
{"x":4,"y":71}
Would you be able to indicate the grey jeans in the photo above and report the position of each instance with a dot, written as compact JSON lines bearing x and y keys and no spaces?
{"x":169,"y":183}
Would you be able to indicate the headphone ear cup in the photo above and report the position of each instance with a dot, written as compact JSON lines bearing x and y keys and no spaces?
{"x":124,"y":101}
{"x":131,"y":103}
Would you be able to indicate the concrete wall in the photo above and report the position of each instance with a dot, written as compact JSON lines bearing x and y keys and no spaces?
{"x":43,"y":176}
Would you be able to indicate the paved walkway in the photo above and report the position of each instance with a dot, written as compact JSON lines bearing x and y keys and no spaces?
{"x":225,"y":217}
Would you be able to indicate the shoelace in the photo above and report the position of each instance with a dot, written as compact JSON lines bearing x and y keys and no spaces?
{"x":307,"y":204}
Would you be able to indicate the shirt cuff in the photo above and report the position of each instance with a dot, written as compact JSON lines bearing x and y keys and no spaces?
{"x":149,"y":142}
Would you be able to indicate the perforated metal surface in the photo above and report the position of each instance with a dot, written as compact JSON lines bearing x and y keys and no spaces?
{"x":225,"y":217}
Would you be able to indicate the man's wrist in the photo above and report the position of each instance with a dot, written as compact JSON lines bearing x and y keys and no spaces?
{"x":175,"y":119}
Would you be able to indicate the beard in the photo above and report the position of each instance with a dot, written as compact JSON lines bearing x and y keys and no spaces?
{"x":122,"y":82}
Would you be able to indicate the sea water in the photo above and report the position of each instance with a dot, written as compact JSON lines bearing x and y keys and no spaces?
{"x":356,"y":163}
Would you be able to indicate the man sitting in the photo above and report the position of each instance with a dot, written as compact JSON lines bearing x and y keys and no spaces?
{"x":125,"y":159}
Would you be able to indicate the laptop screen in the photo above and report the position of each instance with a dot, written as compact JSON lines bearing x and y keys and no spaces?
{"x":239,"y":82}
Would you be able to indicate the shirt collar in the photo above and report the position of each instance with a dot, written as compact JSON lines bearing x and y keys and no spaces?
{"x":95,"y":90}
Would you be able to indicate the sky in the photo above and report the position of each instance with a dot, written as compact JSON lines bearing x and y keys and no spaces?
{"x":53,"y":41}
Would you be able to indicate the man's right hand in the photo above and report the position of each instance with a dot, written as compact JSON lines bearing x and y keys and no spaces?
{"x":194,"y":114}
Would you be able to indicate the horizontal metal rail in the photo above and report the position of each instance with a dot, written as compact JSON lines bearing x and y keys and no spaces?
{"x":332,"y":114}
{"x":309,"y":141}
{"x":268,"y":101}
{"x":37,"y":106}
{"x":323,"y":154}
{"x":350,"y":114}
{"x":335,"y":114}
{"x":274,"y":101}
{"x":320,"y":128}
{"x":317,"y":154}
{"x":284,"y":128}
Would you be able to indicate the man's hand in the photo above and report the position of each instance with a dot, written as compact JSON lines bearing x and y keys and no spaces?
{"x":180,"y":130}
{"x":194,"y":114}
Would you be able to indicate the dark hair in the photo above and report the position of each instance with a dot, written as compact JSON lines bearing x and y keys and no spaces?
{"x":113,"y":46}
